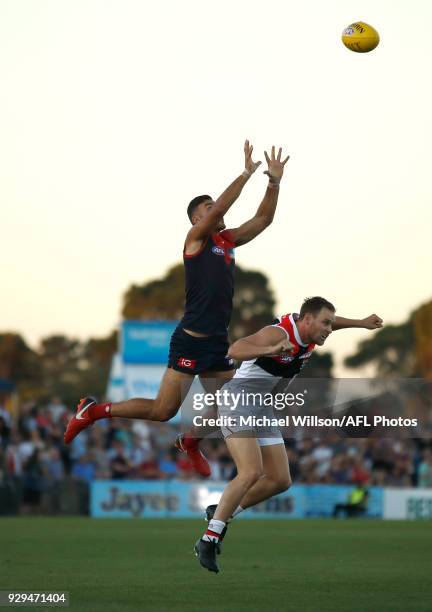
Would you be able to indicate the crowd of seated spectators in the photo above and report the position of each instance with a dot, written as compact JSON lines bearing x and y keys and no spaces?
{"x":32,"y":453}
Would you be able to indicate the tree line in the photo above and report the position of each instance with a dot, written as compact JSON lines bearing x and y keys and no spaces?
{"x":70,"y":368}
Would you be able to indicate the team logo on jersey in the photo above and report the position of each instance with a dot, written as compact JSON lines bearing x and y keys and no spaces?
{"x":306,"y":355}
{"x":218,"y":250}
{"x":183,"y":362}
{"x":286,"y":358}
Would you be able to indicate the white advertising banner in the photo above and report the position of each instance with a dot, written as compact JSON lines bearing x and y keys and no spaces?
{"x":408,"y":503}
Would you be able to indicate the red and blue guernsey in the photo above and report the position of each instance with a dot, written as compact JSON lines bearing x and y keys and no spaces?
{"x":280,"y":366}
{"x":209,"y":284}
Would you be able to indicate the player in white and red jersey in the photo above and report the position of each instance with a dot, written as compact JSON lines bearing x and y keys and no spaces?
{"x":276,"y":352}
{"x":284,"y":365}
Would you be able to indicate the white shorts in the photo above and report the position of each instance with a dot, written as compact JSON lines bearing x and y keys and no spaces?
{"x":237,"y":415}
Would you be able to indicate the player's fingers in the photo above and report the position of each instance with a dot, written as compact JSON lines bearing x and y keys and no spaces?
{"x":279,"y":154}
{"x":267,"y":157}
{"x":273,"y":152}
{"x":284,"y":161}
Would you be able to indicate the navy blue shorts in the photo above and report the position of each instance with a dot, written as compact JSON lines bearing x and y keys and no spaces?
{"x":195,"y":355}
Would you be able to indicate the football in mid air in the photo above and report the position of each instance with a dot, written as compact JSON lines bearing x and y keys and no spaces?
{"x":360,"y":37}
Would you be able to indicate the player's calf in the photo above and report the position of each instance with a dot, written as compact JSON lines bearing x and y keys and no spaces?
{"x":210,"y":510}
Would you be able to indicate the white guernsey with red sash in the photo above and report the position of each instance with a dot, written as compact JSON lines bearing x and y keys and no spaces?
{"x":280,"y":366}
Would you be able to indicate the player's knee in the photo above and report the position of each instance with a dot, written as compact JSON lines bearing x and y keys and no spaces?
{"x":283,"y":483}
{"x":250,"y":476}
{"x":163,"y":412}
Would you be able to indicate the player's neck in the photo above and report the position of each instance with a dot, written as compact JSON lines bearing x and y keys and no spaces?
{"x":302,"y":332}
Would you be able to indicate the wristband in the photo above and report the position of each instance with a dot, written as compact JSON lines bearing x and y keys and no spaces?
{"x":273,"y":184}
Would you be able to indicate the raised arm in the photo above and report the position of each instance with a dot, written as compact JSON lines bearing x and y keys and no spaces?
{"x":373,"y":321}
{"x":269,"y":340}
{"x":217,"y":210}
{"x":266,"y":210}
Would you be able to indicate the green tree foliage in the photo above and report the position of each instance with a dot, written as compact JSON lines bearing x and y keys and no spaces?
{"x":252,"y":309}
{"x":60,"y":357}
{"x":320,"y":366}
{"x":72,"y":369}
{"x":61,"y":366}
{"x":98,"y":354}
{"x":253,"y":305}
{"x":19,"y":363}
{"x":160,"y":299}
{"x":163,"y":299}
{"x":391,"y":350}
{"x":423,"y":337}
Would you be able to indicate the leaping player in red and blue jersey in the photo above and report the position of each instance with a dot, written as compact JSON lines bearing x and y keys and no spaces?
{"x":199,"y":345}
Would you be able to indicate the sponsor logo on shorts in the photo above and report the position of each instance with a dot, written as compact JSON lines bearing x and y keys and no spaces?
{"x":184,"y":362}
{"x":218,"y":250}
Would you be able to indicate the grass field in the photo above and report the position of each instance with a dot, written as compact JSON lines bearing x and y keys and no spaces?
{"x":319,"y":565}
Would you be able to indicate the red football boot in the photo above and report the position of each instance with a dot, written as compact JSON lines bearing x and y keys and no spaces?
{"x":81,"y":420}
{"x":190,"y":446}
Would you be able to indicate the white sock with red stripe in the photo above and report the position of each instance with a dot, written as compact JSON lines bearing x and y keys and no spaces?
{"x":213,"y":531}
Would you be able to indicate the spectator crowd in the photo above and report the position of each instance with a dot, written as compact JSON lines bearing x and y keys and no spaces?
{"x":34,"y":457}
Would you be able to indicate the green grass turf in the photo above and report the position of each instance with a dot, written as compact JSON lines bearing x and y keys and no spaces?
{"x":319,"y":565}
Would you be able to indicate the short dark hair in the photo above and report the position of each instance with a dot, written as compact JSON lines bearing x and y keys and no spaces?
{"x":196,"y":202}
{"x":313,"y":305}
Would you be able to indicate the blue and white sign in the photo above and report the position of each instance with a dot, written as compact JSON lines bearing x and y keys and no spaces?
{"x":179,"y":499}
{"x":408,"y":504}
{"x":131,"y":499}
{"x":143,"y":380}
{"x":320,"y":500}
{"x":146,"y":341}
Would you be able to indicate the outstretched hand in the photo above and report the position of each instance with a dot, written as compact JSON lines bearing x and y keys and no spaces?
{"x":373,"y":321}
{"x":250,"y":166}
{"x":276,"y":165}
